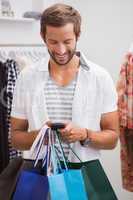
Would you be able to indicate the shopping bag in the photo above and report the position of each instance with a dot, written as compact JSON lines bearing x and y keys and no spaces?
{"x":10,"y":175}
{"x":96,"y":181}
{"x":68,"y":185}
{"x":31,"y":186}
{"x":97,"y":184}
{"x":65,"y":184}
{"x":8,"y":178}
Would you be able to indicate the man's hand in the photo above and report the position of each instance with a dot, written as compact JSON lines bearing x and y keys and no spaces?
{"x":72,"y":133}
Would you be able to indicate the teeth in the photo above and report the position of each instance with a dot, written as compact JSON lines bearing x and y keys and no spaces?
{"x":61,"y":56}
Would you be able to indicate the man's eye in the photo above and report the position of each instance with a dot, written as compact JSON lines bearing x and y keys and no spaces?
{"x":52,"y":42}
{"x":67,"y":42}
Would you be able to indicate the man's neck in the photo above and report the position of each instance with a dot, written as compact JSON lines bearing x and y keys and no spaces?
{"x":64,"y":74}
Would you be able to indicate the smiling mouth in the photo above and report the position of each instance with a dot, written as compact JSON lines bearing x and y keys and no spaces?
{"x":61,"y":56}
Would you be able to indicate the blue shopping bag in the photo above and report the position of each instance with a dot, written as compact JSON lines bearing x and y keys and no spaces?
{"x":31,"y":186}
{"x":68,"y":185}
{"x":65,"y":184}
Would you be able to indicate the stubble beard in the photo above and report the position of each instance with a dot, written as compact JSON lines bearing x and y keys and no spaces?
{"x":70,"y":56}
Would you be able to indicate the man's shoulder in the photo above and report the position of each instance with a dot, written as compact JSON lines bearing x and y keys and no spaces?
{"x":93,"y":67}
{"x":31,"y":76}
{"x":34,"y":69}
{"x":96,"y":70}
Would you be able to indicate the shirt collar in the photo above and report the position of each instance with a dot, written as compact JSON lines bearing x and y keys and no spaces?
{"x":44,"y":63}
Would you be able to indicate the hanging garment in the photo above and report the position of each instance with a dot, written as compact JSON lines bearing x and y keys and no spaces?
{"x":125,"y":107}
{"x":8,"y":76}
{"x":13,"y":60}
{"x":4,"y":151}
{"x":125,"y":92}
{"x":13,"y":72}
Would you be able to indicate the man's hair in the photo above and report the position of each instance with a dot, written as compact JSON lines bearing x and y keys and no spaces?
{"x":59,"y":15}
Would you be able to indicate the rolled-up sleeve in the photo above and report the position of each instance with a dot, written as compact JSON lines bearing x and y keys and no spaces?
{"x":110,"y":97}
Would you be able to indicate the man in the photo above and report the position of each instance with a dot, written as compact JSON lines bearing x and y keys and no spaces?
{"x":65,"y":87}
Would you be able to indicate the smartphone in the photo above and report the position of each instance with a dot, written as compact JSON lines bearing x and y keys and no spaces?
{"x":57,"y":125}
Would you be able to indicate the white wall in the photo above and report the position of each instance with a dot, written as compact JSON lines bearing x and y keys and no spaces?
{"x":18,"y":31}
{"x":107,"y":33}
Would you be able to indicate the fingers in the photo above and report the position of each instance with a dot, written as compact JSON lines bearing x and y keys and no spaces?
{"x":49,"y":123}
{"x":68,"y":135}
{"x":68,"y":127}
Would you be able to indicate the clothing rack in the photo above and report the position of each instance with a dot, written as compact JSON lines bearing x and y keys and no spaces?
{"x":34,"y":52}
{"x":24,"y":55}
{"x":21,"y":45}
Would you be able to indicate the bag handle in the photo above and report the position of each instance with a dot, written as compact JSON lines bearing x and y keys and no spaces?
{"x":58,"y":160}
{"x":58,"y":133}
{"x":53,"y":153}
{"x":54,"y":157}
{"x":40,"y":144}
{"x":62,"y":151}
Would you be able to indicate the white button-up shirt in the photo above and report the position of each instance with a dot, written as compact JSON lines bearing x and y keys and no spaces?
{"x":95,"y":94}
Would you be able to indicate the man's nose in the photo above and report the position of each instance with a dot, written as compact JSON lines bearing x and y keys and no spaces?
{"x":60,"y":49}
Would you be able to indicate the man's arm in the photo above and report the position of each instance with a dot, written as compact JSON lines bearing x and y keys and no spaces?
{"x":105,"y":139}
{"x":20,"y":137}
{"x":108,"y":136}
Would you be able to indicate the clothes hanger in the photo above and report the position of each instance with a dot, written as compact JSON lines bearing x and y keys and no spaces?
{"x":3,"y":55}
